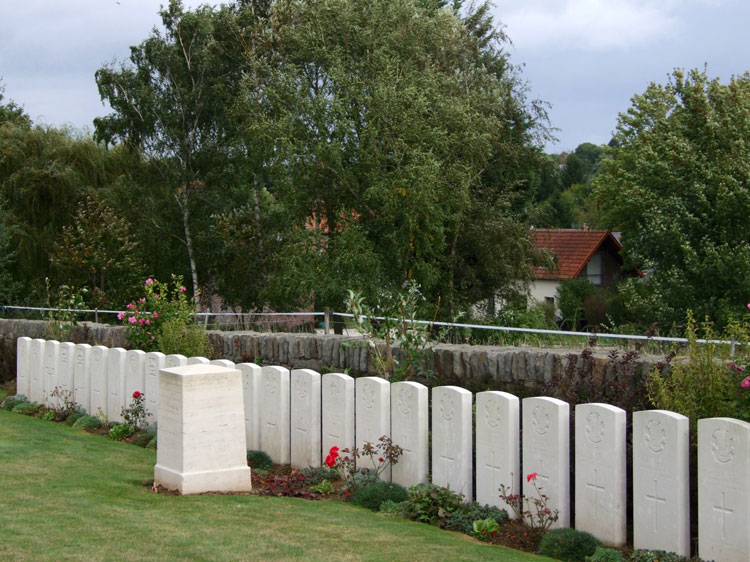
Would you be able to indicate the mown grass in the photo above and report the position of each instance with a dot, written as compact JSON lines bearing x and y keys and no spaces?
{"x":69,"y":495}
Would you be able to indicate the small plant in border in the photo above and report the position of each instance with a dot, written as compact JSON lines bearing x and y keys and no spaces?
{"x":381,"y":456}
{"x":484,"y":529}
{"x":532,"y":511}
{"x":135,"y":414}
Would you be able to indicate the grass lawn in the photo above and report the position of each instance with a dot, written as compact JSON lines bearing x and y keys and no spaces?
{"x":68,"y":495}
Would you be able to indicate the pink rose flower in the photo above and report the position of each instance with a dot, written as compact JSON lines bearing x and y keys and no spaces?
{"x":745,"y":383}
{"x":120,"y":315}
{"x":148,"y":322}
{"x":156,"y":315}
{"x":130,"y":305}
{"x":149,"y":281}
{"x":183,"y":289}
{"x":131,"y":319}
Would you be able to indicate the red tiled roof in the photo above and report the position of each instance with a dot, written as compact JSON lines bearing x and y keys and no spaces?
{"x":572,"y":249}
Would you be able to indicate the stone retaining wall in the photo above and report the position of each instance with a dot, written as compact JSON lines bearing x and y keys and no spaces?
{"x":471,"y":366}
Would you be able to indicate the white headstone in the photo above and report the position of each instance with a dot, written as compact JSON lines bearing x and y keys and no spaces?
{"x":99,"y":381}
{"x":51,"y":350}
{"x":409,"y":430}
{"x":134,"y":375}
{"x":601,"y":481}
{"x":661,"y":482}
{"x":65,"y":374}
{"x":223,"y":363}
{"x":451,"y":439}
{"x":198,"y":361}
{"x":201,"y":432}
{"x":251,"y":379}
{"x":498,"y":448}
{"x":724,"y":489}
{"x":305,"y":438}
{"x":275,"y":423}
{"x":373,"y":417}
{"x":36,"y":371}
{"x":175,"y":360}
{"x":546,"y":452}
{"x":155,"y":361}
{"x":338,"y":412}
{"x":82,"y":377}
{"x":115,"y":383}
{"x":23,"y":355}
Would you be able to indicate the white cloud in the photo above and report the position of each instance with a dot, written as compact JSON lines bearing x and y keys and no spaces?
{"x":591,"y":25}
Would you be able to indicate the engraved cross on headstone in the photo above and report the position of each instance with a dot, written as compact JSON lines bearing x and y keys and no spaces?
{"x":724,"y":512}
{"x":447,"y":459}
{"x":657,"y":500}
{"x":594,"y":486}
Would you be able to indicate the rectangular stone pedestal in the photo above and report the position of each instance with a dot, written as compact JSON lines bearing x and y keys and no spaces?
{"x":201,"y":431}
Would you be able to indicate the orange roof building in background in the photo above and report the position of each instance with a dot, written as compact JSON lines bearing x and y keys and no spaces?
{"x":577,"y":254}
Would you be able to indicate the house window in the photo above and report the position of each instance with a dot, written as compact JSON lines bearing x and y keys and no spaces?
{"x":594,"y":269}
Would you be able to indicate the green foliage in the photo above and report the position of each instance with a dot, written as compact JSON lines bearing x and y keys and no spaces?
{"x":396,"y":510}
{"x":63,"y":316}
{"x":121,"y":431}
{"x":73,"y":417}
{"x":323,"y":487}
{"x":397,"y":328}
{"x":484,"y":529}
{"x":702,"y":385}
{"x":569,"y":545}
{"x":677,"y":188}
{"x":432,"y":504}
{"x":319,"y":474}
{"x":602,"y":554}
{"x":135,"y":414}
{"x":10,"y":402}
{"x":570,"y":299}
{"x":151,"y":444}
{"x":259,"y":460}
{"x":164,"y":317}
{"x":87,"y":422}
{"x":463,"y":519}
{"x":375,"y":493}
{"x":49,"y":415}
{"x":657,"y":556}
{"x":143,"y":438}
{"x":26,"y":408}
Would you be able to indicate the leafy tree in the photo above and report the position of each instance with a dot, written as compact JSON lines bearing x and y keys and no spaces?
{"x":11,"y":111}
{"x":167,"y":102}
{"x":678,"y":188}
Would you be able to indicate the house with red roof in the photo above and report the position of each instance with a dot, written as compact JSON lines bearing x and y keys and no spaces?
{"x":577,"y":254}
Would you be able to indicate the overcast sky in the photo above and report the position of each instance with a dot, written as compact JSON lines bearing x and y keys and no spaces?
{"x":585,"y":57}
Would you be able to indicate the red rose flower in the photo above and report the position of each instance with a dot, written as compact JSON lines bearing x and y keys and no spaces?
{"x":531,"y":477}
{"x":137,"y":394}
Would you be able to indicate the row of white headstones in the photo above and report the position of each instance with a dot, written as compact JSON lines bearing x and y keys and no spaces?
{"x":297,"y":416}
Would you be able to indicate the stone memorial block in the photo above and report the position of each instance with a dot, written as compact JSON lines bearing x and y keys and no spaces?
{"x":23,"y":357}
{"x":201,"y":431}
{"x":65,"y":374}
{"x":51,"y":351}
{"x":82,"y":377}
{"x":372,"y":413}
{"x":198,"y":361}
{"x":251,"y":379}
{"x":451,"y":439}
{"x":36,"y":371}
{"x":175,"y":360}
{"x":409,"y":430}
{"x":116,"y":383}
{"x":134,"y":375}
{"x":498,"y":447}
{"x":600,"y":492}
{"x":275,"y":422}
{"x":724,"y":490}
{"x":337,"y":400}
{"x":546,"y":452}
{"x":154,"y":362}
{"x":661,"y":490}
{"x":99,"y":380}
{"x":305,"y":438}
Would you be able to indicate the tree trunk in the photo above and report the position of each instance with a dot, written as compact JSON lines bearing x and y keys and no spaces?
{"x":182,"y":201}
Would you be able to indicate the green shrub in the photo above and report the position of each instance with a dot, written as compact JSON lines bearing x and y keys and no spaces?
{"x":372,"y":495}
{"x":323,"y":487}
{"x":389,"y":508}
{"x":570,"y":297}
{"x":73,"y":417}
{"x":259,"y":460}
{"x":10,"y":404}
{"x":142,"y":438}
{"x":316,"y":475}
{"x":656,"y":556}
{"x":121,"y":431}
{"x":151,"y":444}
{"x":49,"y":415}
{"x":432,"y":504}
{"x":179,"y":335}
{"x":568,"y":545}
{"x":602,"y":554}
{"x":463,"y":519}
{"x":26,"y":408}
{"x":87,"y":422}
